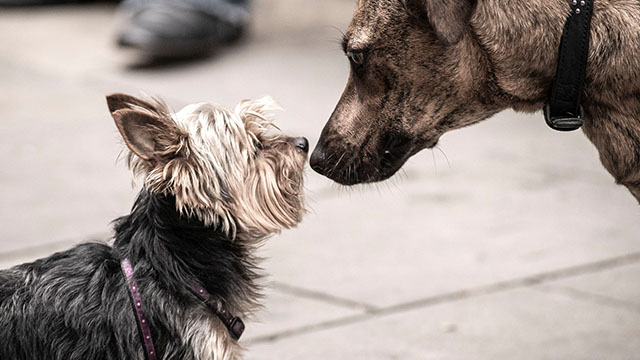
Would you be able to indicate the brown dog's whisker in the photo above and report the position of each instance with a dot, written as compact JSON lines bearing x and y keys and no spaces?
{"x":443,"y":154}
{"x":422,"y":68}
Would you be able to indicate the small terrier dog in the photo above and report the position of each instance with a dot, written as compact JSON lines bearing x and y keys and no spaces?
{"x":216,"y":183}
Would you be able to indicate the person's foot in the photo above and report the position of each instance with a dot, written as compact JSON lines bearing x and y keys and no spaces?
{"x":179,"y":28}
{"x":47,"y":2}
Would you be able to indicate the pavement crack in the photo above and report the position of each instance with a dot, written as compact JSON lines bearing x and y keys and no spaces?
{"x":516,"y":283}
{"x":501,"y":286}
{"x":323,"y":297}
{"x":589,"y":297}
{"x":311,"y":328}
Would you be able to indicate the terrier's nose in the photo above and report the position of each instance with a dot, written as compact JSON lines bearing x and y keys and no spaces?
{"x":302,"y":143}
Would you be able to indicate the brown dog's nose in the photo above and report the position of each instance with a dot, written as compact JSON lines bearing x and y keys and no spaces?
{"x":318,"y":159}
{"x":302,"y":143}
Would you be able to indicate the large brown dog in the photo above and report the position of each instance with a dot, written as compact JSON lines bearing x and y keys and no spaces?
{"x":423,"y":67}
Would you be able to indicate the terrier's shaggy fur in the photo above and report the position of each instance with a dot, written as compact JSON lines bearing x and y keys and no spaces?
{"x":216,"y":183}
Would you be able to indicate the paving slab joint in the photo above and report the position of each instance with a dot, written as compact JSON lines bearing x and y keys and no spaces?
{"x":589,"y":297}
{"x":323,"y":297}
{"x":530,"y":281}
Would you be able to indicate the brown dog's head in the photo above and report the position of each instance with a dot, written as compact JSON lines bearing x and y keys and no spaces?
{"x":416,"y":72}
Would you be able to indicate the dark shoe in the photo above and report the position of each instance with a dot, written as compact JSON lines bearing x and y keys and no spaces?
{"x":166,"y":28}
{"x":47,"y":2}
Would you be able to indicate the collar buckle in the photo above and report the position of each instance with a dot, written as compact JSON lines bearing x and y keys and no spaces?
{"x":236,"y":328}
{"x":234,"y":324}
{"x":568,"y":122}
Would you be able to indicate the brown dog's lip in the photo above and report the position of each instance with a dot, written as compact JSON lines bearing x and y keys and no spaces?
{"x":430,"y":145}
{"x":354,"y":171}
{"x":355,"y":168}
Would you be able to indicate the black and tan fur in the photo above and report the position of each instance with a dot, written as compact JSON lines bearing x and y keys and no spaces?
{"x":421,"y":68}
{"x":216,"y":184}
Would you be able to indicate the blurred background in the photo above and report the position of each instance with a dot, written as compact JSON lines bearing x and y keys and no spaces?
{"x":511,"y":242}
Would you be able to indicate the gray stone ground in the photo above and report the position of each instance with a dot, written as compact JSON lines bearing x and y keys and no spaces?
{"x":515,"y":245}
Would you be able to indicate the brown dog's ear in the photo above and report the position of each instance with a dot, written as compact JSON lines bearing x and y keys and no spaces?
{"x":448,"y":18}
{"x":145,"y":134}
{"x":119,"y":101}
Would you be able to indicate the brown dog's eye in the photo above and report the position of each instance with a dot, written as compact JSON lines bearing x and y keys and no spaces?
{"x":356,"y":58}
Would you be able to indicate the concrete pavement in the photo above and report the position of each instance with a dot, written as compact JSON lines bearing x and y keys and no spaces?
{"x":511,"y":242}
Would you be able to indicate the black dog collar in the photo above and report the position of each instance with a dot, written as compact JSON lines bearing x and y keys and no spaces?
{"x":563,"y":111}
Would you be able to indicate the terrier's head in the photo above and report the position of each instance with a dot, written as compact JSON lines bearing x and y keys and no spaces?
{"x":225,"y":168}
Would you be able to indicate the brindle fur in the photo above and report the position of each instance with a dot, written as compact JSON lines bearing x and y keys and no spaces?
{"x":431,"y":66}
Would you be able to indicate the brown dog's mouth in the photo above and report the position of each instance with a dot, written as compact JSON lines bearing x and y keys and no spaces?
{"x":358,"y":166}
{"x":357,"y":172}
{"x":347,"y":169}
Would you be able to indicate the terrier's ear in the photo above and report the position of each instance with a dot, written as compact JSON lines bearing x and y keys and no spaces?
{"x":119,"y":101}
{"x":448,"y":18}
{"x":143,"y":132}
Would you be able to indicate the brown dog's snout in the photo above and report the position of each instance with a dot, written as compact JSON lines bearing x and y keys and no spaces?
{"x":318,"y":160}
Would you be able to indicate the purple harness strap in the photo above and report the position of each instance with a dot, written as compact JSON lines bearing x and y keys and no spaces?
{"x":143,"y":323}
{"x":234,"y":325}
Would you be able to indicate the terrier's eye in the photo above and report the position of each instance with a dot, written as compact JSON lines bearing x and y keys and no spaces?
{"x":259,"y":146}
{"x":357,"y":60}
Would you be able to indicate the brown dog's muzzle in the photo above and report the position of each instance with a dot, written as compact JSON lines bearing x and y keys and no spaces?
{"x":348,"y":164}
{"x":342,"y":167}
{"x":326,"y":162}
{"x":362,"y":142}
{"x":318,"y":160}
